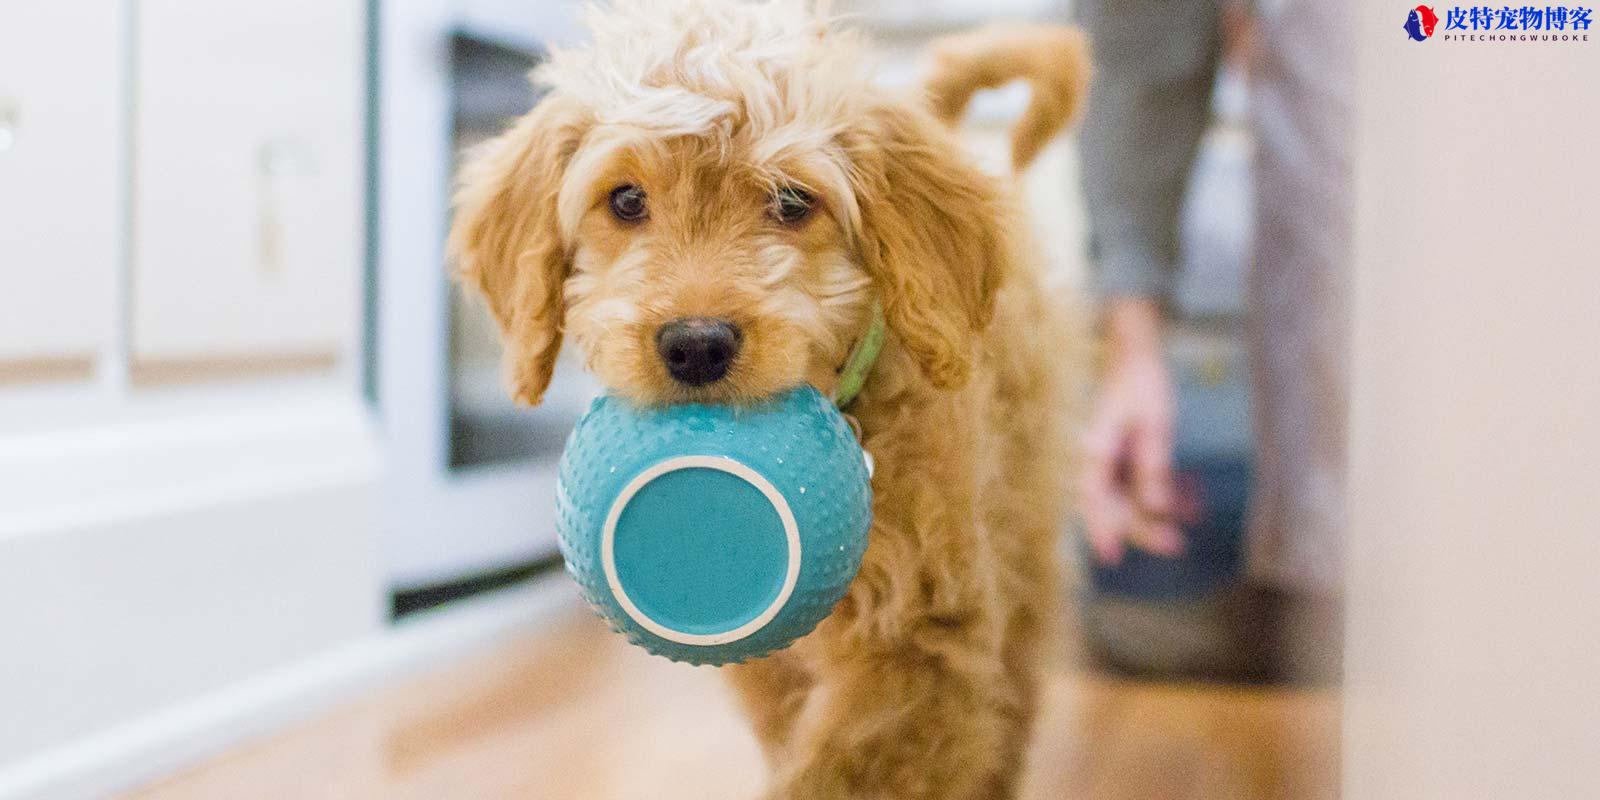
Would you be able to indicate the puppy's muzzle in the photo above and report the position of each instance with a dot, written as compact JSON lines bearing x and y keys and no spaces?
{"x":698,"y":350}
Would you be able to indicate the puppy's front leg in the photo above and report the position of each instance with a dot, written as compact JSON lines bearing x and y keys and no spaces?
{"x":927,"y":715}
{"x":773,"y":690}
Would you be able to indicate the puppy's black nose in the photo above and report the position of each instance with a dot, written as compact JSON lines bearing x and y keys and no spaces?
{"x":698,"y":350}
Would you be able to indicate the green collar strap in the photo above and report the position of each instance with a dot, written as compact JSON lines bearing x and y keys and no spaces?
{"x":853,"y":375}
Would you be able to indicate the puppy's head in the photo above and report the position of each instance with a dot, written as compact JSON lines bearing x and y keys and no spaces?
{"x":709,"y":200}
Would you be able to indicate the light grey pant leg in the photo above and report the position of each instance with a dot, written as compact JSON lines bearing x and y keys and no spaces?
{"x":1301,"y":107}
{"x":1149,"y":104}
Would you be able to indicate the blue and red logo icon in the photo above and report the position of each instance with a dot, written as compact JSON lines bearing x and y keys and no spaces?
{"x":1420,"y":22}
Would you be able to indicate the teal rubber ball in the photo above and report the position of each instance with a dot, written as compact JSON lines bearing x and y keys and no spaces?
{"x":712,"y":534}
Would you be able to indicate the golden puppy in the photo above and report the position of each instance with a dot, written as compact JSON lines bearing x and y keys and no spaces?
{"x":709,"y":202}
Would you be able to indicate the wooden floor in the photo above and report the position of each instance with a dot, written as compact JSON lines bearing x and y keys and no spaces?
{"x":575,"y":713}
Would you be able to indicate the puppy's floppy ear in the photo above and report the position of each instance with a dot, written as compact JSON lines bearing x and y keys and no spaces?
{"x":932,"y":236}
{"x":506,"y":243}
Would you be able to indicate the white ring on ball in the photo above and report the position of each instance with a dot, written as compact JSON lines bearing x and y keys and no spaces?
{"x":791,"y":530}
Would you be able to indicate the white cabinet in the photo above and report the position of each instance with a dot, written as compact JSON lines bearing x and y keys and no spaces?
{"x":61,"y":184}
{"x":181,"y":188}
{"x":247,"y":183}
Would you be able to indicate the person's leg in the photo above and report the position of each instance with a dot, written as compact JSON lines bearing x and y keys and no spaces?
{"x":1149,"y":107}
{"x":1149,"y":104}
{"x":1303,"y":85}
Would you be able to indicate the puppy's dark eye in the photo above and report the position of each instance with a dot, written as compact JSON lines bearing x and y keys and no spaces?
{"x":627,"y":203}
{"x":791,"y":204}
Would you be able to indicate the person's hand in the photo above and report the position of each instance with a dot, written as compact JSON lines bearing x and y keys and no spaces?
{"x":1238,"y":35}
{"x":1127,"y":484}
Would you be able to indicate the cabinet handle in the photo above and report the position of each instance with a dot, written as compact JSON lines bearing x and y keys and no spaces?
{"x":277,"y":160}
{"x":10,"y":121}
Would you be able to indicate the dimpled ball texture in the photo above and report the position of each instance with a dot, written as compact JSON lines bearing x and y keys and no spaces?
{"x":797,"y":441}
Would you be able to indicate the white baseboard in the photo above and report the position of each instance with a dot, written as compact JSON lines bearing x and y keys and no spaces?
{"x":147,"y":749}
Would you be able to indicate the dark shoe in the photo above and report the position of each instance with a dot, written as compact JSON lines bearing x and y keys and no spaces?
{"x":1229,"y":635}
{"x":1244,"y":633}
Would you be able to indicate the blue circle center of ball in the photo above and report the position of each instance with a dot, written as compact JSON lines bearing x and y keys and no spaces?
{"x":700,"y":551}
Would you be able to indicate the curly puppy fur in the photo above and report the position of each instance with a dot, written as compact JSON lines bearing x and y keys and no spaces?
{"x":923,"y":682}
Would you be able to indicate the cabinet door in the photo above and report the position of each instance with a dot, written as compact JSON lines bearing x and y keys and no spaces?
{"x":61,"y":126}
{"x":247,"y":184}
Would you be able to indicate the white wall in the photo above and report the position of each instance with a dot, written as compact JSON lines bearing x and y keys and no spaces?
{"x":1474,"y":580}
{"x":182,"y":557}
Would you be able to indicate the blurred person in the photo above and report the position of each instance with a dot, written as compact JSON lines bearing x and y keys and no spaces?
{"x":1156,"y":66}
